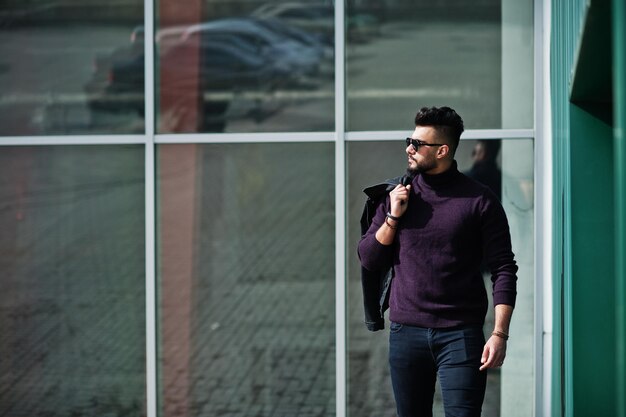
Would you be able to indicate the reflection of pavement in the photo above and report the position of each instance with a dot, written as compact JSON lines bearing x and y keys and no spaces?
{"x":435,"y":63}
{"x":262,"y":314}
{"x":72,"y":301}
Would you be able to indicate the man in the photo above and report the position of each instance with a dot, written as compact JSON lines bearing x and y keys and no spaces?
{"x":485,"y":168}
{"x":435,"y":233}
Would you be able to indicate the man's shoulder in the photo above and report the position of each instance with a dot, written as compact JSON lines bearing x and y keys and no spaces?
{"x":471,"y":184}
{"x":475,"y":190}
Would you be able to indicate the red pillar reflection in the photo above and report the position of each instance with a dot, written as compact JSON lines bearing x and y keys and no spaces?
{"x":177,"y":218}
{"x":179,"y":68}
{"x":179,"y":111}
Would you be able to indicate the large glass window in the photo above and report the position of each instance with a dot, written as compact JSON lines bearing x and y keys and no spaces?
{"x":245,"y":66}
{"x":247,"y":279}
{"x":245,"y":258}
{"x":401,"y":55}
{"x":71,"y":67}
{"x":72,"y":267}
{"x":506,"y":167}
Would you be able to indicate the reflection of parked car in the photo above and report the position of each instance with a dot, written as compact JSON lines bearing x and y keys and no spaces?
{"x":221,"y":67}
{"x":299,"y":50}
{"x":218,"y":59}
{"x":318,"y":18}
{"x":248,"y":46}
{"x":104,"y":89}
{"x":301,"y":60}
{"x":311,"y":17}
{"x":137,"y":35}
{"x":310,"y":40}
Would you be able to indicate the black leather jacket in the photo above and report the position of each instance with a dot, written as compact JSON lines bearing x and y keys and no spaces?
{"x":376,"y":284}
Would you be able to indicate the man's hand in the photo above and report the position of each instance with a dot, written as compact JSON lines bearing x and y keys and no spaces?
{"x":495,"y":348}
{"x":493,"y":353}
{"x":399,"y":200}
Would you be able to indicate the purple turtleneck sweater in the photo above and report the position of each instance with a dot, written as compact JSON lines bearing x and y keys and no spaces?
{"x":453,"y":225}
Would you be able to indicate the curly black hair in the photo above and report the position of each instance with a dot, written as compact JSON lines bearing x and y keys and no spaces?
{"x":445,"y":121}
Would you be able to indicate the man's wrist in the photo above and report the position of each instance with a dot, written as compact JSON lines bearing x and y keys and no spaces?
{"x":500,"y":334}
{"x":392,"y":217}
{"x":390,"y":225}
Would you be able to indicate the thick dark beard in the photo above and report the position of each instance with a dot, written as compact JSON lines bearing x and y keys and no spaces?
{"x":412,"y":172}
{"x":421,"y":168}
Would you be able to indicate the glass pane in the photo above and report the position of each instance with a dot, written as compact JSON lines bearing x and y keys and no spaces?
{"x":72,"y":262}
{"x":247,"y":279}
{"x":245,"y":66}
{"x":518,"y":378}
{"x":369,"y":384}
{"x":511,"y":177}
{"x":71,"y":67}
{"x":413,"y":54}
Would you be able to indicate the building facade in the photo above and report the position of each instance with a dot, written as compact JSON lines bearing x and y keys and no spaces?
{"x":588,"y":93}
{"x":181,"y":187}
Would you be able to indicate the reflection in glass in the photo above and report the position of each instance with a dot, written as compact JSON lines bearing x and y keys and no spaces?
{"x":506,"y":166}
{"x":72,"y":262}
{"x":245,"y":68}
{"x":369,"y":383}
{"x":447,"y":52}
{"x":484,"y":168}
{"x":71,"y":68}
{"x":246,"y":272}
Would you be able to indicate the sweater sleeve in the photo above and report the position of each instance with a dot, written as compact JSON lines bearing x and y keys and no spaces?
{"x":373,"y":254}
{"x":497,"y":252}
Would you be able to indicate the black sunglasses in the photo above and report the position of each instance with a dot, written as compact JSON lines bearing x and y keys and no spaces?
{"x":417,"y":143}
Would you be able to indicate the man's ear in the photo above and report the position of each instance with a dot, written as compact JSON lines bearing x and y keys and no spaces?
{"x":443,"y":151}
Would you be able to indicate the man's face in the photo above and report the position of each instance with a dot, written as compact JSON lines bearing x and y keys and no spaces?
{"x":424,"y":158}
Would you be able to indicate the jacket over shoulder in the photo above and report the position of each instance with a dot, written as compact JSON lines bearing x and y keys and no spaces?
{"x":376,"y":282}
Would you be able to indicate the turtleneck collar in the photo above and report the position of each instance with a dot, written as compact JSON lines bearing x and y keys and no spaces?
{"x":440,"y":180}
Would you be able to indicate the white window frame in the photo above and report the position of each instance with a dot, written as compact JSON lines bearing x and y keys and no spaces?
{"x":543,"y":195}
